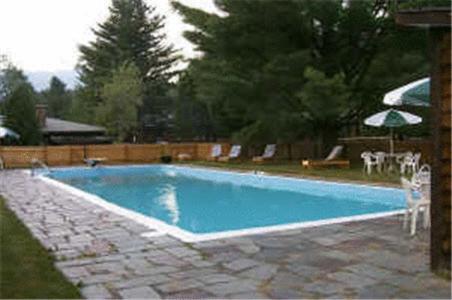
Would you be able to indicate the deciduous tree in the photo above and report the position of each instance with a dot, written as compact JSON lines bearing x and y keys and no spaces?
{"x":122,"y":96}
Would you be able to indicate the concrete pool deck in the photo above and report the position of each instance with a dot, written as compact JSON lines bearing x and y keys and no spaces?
{"x":107,"y":256}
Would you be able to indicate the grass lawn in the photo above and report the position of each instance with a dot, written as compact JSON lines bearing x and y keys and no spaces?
{"x":26,"y":268}
{"x":355,"y":173}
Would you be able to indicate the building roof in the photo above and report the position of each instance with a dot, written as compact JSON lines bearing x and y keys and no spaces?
{"x":66,"y":127}
{"x":61,"y":126}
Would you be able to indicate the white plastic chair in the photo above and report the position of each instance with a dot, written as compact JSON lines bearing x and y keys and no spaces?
{"x":370,"y":161}
{"x":422,"y":176}
{"x":414,"y":206}
{"x":409,"y":162}
{"x":381,"y":159}
{"x":417,"y":159}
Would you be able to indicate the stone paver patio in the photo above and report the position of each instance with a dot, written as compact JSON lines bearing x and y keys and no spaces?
{"x":107,"y":257}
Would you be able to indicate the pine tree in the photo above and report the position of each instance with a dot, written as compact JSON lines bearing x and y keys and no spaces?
{"x":254,"y":56}
{"x":131,"y":34}
{"x":57,"y":98}
{"x":20,"y":114}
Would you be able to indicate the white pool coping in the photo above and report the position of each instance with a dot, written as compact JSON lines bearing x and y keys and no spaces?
{"x":162,"y":228}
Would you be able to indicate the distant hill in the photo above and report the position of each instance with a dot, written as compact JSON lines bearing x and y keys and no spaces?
{"x":41,"y":79}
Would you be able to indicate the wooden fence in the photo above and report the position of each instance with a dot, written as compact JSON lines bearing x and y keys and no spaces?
{"x":16,"y":157}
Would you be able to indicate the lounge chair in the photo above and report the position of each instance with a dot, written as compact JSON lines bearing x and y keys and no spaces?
{"x":268,"y":154}
{"x":2,"y":164}
{"x":184,"y":157}
{"x":330,"y":161}
{"x":215,"y":152}
{"x":234,"y":153}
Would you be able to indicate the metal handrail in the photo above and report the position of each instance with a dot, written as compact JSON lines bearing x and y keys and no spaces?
{"x":37,"y":164}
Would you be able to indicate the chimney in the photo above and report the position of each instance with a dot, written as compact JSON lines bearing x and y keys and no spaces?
{"x":41,"y":114}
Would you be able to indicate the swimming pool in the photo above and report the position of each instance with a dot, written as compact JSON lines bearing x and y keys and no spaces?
{"x":198,"y":204}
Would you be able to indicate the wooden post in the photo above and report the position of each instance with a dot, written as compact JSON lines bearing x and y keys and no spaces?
{"x":438,"y":20}
{"x":440,"y":239}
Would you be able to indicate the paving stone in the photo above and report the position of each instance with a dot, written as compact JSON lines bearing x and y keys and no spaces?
{"x":303,"y":270}
{"x":181,"y":251}
{"x":232,"y":287}
{"x":101,"y":278}
{"x":248,"y":248}
{"x":192,"y":273}
{"x":190,"y":294}
{"x":364,"y":269}
{"x":241,"y":264}
{"x":216,"y":278}
{"x":378,"y":291}
{"x":284,"y":293}
{"x":106,"y":268}
{"x":75,"y":272}
{"x":250,"y":295}
{"x":350,"y":279}
{"x":260,"y":272}
{"x":142,"y":292}
{"x":141,"y":281}
{"x":156,"y":270}
{"x":285,"y":280}
{"x":323,"y":288}
{"x":96,"y":292}
{"x":175,"y":286}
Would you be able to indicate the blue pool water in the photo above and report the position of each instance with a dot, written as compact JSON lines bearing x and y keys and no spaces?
{"x":206,"y":201}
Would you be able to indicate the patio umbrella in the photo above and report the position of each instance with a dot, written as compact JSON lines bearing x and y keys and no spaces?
{"x":392,"y":118}
{"x":4,"y":132}
{"x":415,"y":93}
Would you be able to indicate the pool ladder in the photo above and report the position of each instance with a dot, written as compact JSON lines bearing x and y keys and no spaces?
{"x":36,"y":164}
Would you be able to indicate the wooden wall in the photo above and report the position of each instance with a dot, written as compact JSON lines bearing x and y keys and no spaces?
{"x":18,"y":157}
{"x":441,"y":173}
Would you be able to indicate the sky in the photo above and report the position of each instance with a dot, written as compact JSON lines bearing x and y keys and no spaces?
{"x":43,"y":35}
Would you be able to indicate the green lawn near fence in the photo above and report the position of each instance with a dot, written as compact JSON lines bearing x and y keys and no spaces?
{"x":353,"y":174}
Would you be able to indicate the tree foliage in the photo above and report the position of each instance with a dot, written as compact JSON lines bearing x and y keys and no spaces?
{"x":279,"y":70}
{"x":21,"y":116}
{"x":57,"y":98}
{"x":122,"y":96}
{"x":131,"y":34}
{"x":17,"y":103}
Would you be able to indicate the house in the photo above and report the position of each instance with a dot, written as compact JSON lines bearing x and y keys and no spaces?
{"x":62,"y":132}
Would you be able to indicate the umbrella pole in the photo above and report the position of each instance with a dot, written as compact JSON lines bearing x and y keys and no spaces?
{"x":391,"y":149}
{"x":391,"y":141}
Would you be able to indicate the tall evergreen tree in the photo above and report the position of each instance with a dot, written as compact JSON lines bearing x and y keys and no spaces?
{"x":57,"y":98}
{"x":252,"y":71}
{"x":10,"y":78}
{"x":21,"y":115}
{"x":132,"y":33}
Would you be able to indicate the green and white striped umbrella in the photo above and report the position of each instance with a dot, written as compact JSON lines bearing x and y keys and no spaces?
{"x":4,"y":132}
{"x":392,"y":118}
{"x":415,"y":93}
